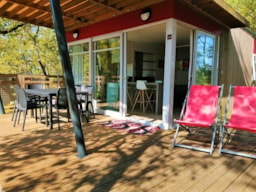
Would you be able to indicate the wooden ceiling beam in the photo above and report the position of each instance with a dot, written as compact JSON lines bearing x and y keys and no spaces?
{"x":41,"y":7}
{"x":105,"y":4}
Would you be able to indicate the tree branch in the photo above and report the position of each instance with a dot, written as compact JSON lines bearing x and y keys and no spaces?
{"x":3,"y":32}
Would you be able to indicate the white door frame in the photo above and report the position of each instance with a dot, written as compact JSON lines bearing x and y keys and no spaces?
{"x":169,"y":74}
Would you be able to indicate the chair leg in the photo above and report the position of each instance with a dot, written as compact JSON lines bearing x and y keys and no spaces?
{"x":14,"y":112}
{"x":176,"y":135}
{"x":58,"y":118}
{"x":46,"y":116}
{"x":80,"y":107}
{"x":35,"y":114}
{"x":68,"y":114}
{"x":148,"y":101}
{"x":213,"y":139}
{"x":19,"y":117}
{"x":16,"y":117}
{"x":86,"y":115}
{"x":24,"y":119}
{"x":40,"y":114}
{"x":32,"y":113}
{"x":142,"y":101}
{"x":129,"y":98}
{"x":137,"y":94}
{"x":88,"y":105}
{"x":81,"y":115}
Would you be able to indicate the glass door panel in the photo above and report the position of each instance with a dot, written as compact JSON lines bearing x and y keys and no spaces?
{"x":204,"y":59}
{"x":106,"y":56}
{"x":79,"y":58}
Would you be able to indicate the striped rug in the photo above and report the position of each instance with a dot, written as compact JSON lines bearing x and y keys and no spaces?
{"x":130,"y":126}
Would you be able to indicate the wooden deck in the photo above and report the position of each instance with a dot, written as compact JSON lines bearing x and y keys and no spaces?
{"x":40,"y":159}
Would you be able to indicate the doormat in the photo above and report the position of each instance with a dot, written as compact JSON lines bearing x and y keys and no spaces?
{"x":130,"y":127}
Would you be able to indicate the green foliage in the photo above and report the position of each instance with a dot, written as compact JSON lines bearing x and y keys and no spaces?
{"x":27,"y":49}
{"x":247,"y":9}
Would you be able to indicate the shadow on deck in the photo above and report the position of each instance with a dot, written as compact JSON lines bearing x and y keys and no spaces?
{"x":40,"y":159}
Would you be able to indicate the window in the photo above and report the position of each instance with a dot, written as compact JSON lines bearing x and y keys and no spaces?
{"x":106,"y":59}
{"x":205,"y":64}
{"x":79,"y":58}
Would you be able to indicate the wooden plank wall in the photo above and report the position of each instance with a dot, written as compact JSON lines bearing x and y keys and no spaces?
{"x":236,"y":58}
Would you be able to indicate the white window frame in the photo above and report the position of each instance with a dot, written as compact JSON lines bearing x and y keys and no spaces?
{"x":214,"y":78}
{"x":254,"y":67}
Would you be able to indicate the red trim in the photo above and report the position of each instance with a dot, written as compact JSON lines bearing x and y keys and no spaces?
{"x":160,"y":11}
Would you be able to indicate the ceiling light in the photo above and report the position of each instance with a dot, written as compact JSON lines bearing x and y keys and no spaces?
{"x":75,"y":34}
{"x":145,"y":14}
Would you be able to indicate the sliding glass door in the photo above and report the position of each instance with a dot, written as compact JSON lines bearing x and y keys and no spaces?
{"x":106,"y":59}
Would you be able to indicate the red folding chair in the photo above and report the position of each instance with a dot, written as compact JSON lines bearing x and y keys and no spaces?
{"x":200,"y":110}
{"x":240,"y":115}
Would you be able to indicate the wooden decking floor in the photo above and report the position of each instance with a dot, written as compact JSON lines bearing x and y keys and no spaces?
{"x":40,"y":159}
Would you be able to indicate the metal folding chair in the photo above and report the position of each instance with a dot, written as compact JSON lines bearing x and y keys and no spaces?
{"x":239,"y":122}
{"x":201,"y":109}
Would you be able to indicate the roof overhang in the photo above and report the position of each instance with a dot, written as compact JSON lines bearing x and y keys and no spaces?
{"x":76,"y":13}
{"x":219,"y":11}
{"x":79,"y":13}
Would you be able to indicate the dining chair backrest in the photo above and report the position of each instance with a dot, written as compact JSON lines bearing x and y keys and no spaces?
{"x":62,"y":99}
{"x":35,"y":86}
{"x":16,"y":102}
{"x":61,"y":103}
{"x":15,"y":87}
{"x":22,"y":98}
{"x":84,"y":88}
{"x":89,"y":90}
{"x":78,"y":89}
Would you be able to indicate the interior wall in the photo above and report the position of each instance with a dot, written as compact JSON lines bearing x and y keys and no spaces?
{"x":156,"y":49}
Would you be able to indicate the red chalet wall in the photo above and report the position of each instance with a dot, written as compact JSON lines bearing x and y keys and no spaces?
{"x":165,"y":10}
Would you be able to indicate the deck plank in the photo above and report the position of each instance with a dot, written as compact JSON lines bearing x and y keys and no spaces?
{"x":40,"y":159}
{"x":244,"y":180}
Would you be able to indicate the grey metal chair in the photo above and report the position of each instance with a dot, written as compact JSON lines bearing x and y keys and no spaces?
{"x":88,"y":101}
{"x":23,"y":105}
{"x":15,"y":107}
{"x":61,"y":103}
{"x":37,"y":86}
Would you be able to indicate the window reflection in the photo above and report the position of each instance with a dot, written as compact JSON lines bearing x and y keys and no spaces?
{"x":107,"y":60}
{"x":204,"y":59}
{"x":79,"y":58}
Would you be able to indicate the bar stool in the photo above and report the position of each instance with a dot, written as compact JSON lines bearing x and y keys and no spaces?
{"x":141,"y":96}
{"x":129,"y":95}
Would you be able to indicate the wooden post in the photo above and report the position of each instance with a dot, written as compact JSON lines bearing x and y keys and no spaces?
{"x":68,"y":76}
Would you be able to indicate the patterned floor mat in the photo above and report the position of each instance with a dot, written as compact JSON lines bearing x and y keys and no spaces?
{"x":130,"y":127}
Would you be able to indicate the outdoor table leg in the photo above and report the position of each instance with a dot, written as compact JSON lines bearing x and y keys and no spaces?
{"x":50,"y":111}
